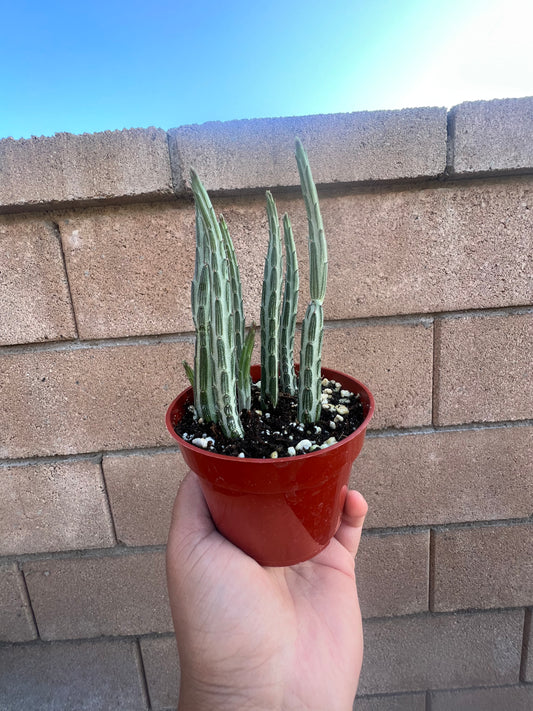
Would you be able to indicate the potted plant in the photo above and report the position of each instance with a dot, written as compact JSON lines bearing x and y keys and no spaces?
{"x":272,"y":445}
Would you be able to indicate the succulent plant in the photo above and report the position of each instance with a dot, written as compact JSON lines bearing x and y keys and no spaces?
{"x":221,"y":375}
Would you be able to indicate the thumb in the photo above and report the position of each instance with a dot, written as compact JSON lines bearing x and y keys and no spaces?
{"x":191,"y":519}
{"x":353,"y":516}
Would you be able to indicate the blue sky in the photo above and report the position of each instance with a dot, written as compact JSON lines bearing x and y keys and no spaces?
{"x":94,"y":66}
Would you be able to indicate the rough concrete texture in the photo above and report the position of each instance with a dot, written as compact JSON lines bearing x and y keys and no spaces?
{"x":394,"y":361}
{"x":130,"y":269}
{"x":490,"y":136}
{"x":392,"y":574}
{"x":34,"y":294}
{"x":484,"y":369}
{"x":439,"y":652}
{"x":16,"y":618}
{"x":390,"y":252}
{"x":446,"y":477}
{"x":483,"y":567}
{"x":395,"y":702}
{"x":86,"y":676}
{"x":142,"y":489}
{"x":162,"y":670}
{"x":89,"y":399}
{"x":88,"y":597}
{"x":362,"y":146}
{"x":66,"y":168}
{"x":53,"y":507}
{"x":511,"y":698}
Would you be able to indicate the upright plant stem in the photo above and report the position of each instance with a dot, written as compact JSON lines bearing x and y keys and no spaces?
{"x":312,"y":328}
{"x":222,"y":321}
{"x":288,"y":312}
{"x":270,"y":308}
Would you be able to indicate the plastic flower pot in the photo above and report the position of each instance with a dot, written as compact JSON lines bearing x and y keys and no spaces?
{"x":279,"y":511}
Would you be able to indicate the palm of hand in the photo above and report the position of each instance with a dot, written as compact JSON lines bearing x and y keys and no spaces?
{"x":274,"y":638}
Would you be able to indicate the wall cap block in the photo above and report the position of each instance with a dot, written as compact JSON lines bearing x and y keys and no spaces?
{"x":364,"y":146}
{"x":69,"y":168}
{"x":492,"y":137}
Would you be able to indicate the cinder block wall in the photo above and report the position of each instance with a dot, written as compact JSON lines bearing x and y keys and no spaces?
{"x":430,"y":301}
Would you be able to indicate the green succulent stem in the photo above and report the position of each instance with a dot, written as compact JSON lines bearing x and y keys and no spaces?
{"x":309,"y":392}
{"x":222,"y":334}
{"x":270,"y":309}
{"x":313,"y":325}
{"x":244,"y":379}
{"x":236,"y":290}
{"x":189,"y":372}
{"x":289,"y":383}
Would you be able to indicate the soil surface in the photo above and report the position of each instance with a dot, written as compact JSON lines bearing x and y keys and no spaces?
{"x":276,"y":432}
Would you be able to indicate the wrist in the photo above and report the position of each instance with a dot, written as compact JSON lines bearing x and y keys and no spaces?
{"x":201,"y":696}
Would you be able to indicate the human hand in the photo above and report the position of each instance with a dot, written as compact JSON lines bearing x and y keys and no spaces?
{"x":260,"y":638}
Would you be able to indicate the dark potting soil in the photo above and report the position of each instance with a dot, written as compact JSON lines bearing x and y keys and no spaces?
{"x":277,"y":429}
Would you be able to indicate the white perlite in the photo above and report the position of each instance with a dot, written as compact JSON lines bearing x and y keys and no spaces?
{"x":304,"y":444}
{"x":291,"y":451}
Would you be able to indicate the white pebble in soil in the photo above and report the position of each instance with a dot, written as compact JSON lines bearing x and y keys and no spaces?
{"x":304,"y":444}
{"x":291,"y":451}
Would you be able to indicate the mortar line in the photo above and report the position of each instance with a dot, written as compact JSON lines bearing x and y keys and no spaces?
{"x":392,"y":432}
{"x":435,"y":372}
{"x":29,"y":601}
{"x":142,"y":673}
{"x":417,"y":318}
{"x":179,"y":196}
{"x":527,"y":643}
{"x":108,"y":502}
{"x":57,"y":232}
{"x":431,"y":569}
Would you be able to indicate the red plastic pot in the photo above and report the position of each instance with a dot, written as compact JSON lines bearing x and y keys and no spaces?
{"x":279,"y":511}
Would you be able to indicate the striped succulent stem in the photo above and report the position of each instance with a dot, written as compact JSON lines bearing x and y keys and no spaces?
{"x":288,"y":379}
{"x":222,"y":342}
{"x":309,"y":404}
{"x":204,"y":401}
{"x":270,"y":309}
{"x":189,"y":372}
{"x":236,"y":290}
{"x":244,"y":379}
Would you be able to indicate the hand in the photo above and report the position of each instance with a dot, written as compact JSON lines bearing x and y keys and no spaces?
{"x":252,"y":637}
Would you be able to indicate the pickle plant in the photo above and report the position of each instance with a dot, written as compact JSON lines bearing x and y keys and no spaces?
{"x":221,"y":375}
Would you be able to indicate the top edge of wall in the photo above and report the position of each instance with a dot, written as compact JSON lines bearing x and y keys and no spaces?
{"x":251,"y":154}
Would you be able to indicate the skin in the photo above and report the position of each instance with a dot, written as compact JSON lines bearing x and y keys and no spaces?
{"x":259,"y":638}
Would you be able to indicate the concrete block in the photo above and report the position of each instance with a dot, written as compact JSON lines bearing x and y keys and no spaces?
{"x":392,"y":252}
{"x":89,"y":399}
{"x":16,"y":618}
{"x":394,"y":702}
{"x":88,"y":597}
{"x":392,"y":574}
{"x":342,"y":148}
{"x":441,"y":652}
{"x":492,"y":136}
{"x":32,"y":264}
{"x":96,"y":676}
{"x":514,"y":698}
{"x":483,"y":567}
{"x":53,"y":507}
{"x":161,"y":666}
{"x":446,"y":477}
{"x":142,"y":489}
{"x":484,"y":371}
{"x":99,"y":166}
{"x":130,"y":269}
{"x":394,"y":360}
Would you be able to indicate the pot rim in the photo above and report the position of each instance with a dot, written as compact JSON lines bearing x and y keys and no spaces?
{"x":328,"y":372}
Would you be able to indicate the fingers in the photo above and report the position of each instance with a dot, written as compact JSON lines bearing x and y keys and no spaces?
{"x":190,"y":515}
{"x":353,"y":516}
